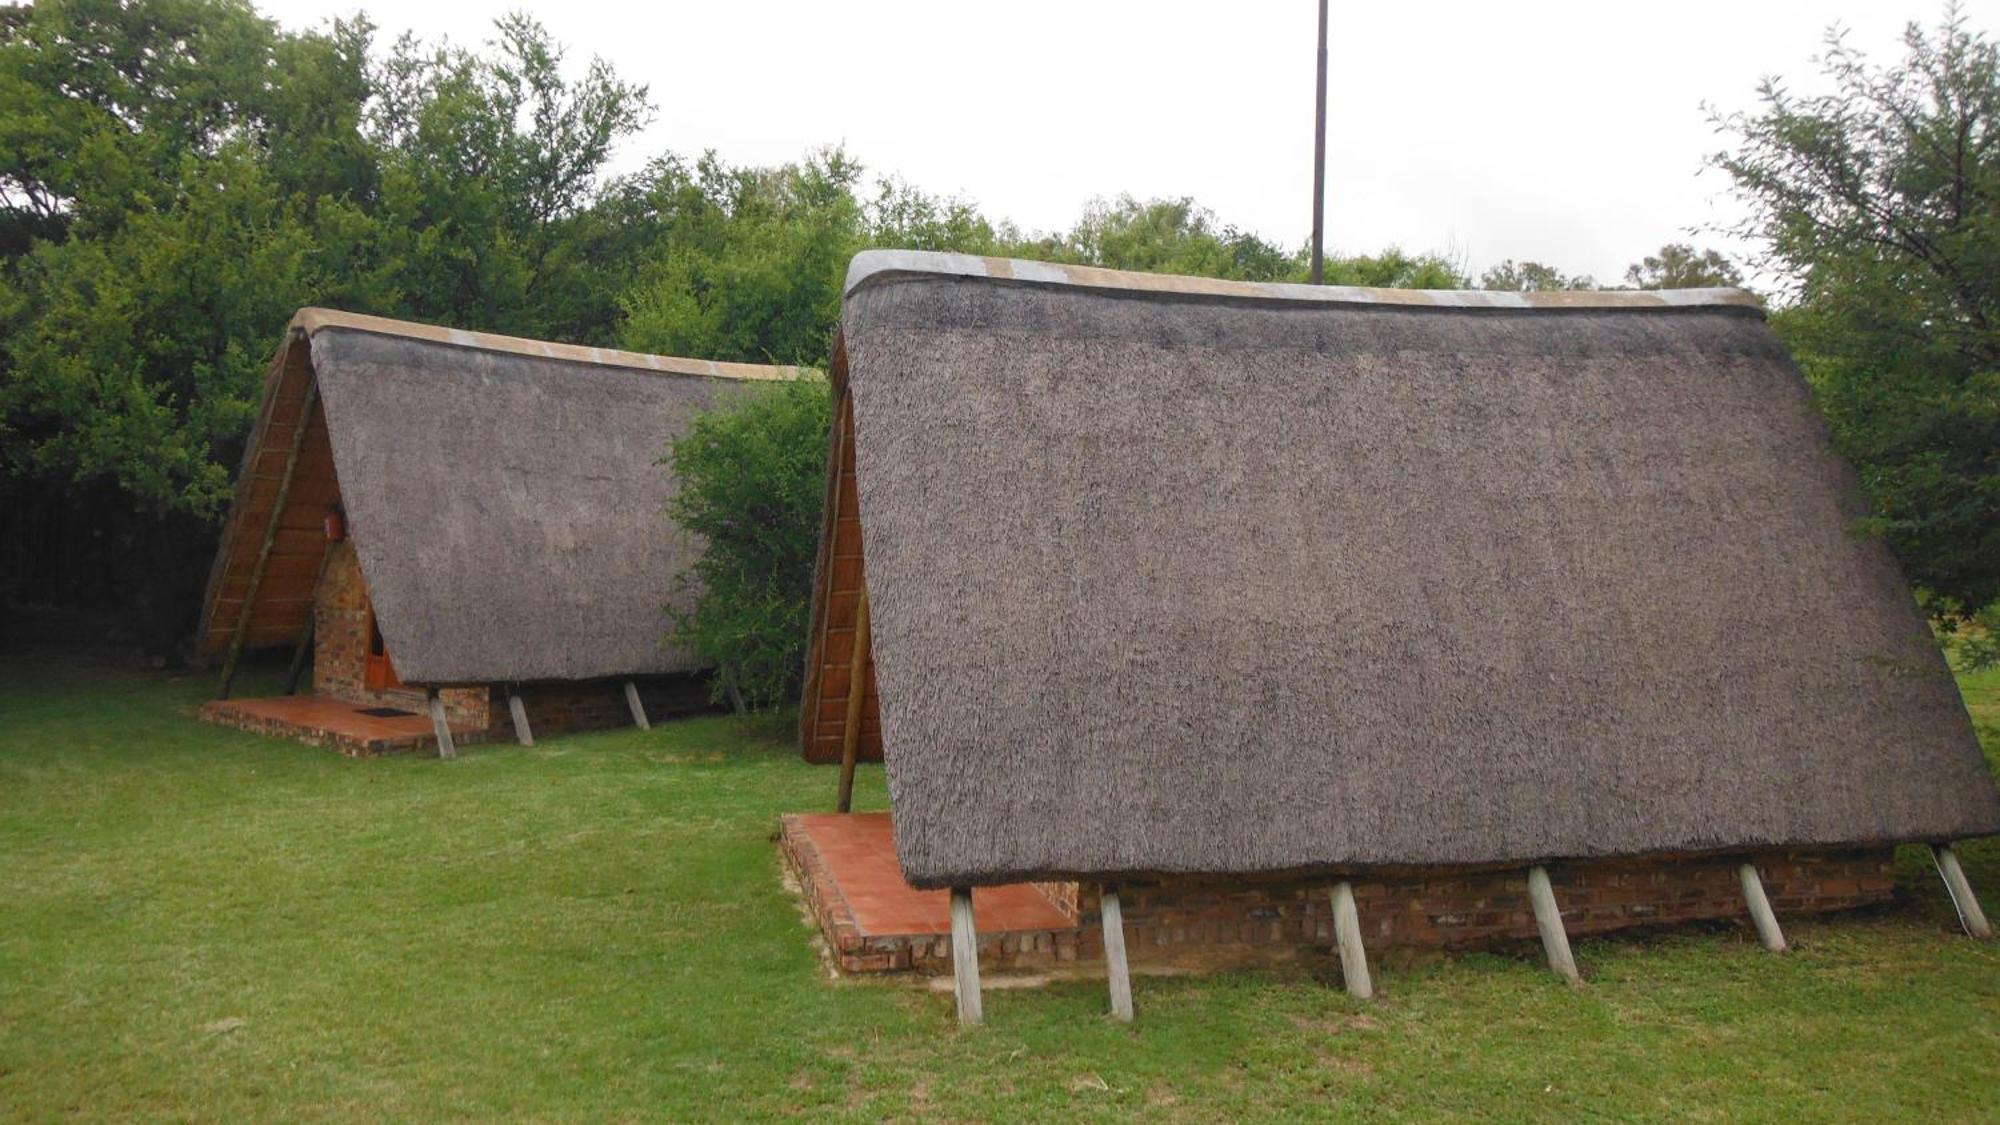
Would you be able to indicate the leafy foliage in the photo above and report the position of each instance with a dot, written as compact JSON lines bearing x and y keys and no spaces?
{"x":490,"y":168}
{"x":1680,"y":266}
{"x":1677,"y":265}
{"x":1395,"y":269}
{"x":752,"y":476}
{"x":1879,"y":205}
{"x":165,"y":205}
{"x":155,"y":241}
{"x":1532,"y":277}
{"x":749,"y":262}
{"x":1165,"y":236}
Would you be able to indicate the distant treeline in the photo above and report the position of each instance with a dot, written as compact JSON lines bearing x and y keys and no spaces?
{"x":178,"y":176}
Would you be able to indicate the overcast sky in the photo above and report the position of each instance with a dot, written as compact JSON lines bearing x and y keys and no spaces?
{"x":1568,"y":132}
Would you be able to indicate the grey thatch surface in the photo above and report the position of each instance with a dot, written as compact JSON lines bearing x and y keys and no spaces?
{"x":1175,"y":583}
{"x":507,"y":509}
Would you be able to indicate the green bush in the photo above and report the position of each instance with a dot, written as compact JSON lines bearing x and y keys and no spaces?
{"x":752,"y":475}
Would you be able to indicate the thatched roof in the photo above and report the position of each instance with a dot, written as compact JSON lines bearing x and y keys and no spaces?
{"x":502,"y":495}
{"x":1168,"y":575}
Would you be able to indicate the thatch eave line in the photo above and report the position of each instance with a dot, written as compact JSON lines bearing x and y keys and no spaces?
{"x":876,"y":267}
{"x":312,"y":321}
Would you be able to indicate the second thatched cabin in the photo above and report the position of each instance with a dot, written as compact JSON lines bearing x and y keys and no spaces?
{"x":466,"y":534}
{"x":1233,"y":595}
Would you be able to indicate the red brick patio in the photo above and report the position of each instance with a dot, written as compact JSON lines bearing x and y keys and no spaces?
{"x":875,"y":921}
{"x":325,"y":721}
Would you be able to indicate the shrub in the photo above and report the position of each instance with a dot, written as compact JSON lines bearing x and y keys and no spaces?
{"x":752,"y":475}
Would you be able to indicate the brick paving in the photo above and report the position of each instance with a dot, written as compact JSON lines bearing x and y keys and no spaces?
{"x":323,"y":721}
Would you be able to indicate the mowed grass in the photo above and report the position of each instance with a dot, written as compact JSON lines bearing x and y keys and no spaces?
{"x":201,"y":924}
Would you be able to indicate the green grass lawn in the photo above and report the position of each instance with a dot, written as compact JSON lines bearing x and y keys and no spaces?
{"x":197,"y":923}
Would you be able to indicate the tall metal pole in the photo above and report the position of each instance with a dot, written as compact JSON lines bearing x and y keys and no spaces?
{"x":1319,"y":160}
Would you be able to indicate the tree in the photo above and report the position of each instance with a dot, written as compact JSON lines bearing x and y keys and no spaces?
{"x":1531,"y":277}
{"x":1680,"y":266}
{"x":149,"y":243}
{"x":752,"y":483}
{"x":1878,"y":204}
{"x":905,"y":218}
{"x":491,"y":180}
{"x":177,"y":177}
{"x":749,"y":262}
{"x":1165,"y":236}
{"x":1395,"y":269}
{"x":154,"y":246}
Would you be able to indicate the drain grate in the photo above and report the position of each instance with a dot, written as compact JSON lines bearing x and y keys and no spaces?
{"x":388,"y":713}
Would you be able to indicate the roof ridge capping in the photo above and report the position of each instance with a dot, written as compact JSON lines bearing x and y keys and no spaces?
{"x":313,"y":320}
{"x":876,"y":266}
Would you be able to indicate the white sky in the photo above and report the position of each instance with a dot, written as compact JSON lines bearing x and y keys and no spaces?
{"x":1568,"y":132}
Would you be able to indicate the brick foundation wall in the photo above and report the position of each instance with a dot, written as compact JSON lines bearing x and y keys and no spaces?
{"x":579,"y":705}
{"x":559,"y":708}
{"x":1461,"y":909}
{"x":340,"y":648}
{"x":1067,"y":897}
{"x":1194,"y":923}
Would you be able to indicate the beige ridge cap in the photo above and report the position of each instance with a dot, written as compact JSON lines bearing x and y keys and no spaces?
{"x":314,"y":320}
{"x":871,"y":266}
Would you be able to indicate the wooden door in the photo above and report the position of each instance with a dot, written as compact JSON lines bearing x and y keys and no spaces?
{"x":378,"y":672}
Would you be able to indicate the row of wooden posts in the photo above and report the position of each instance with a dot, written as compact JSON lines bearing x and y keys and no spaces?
{"x":1354,"y":958}
{"x":447,"y":747}
{"x":519,"y":711}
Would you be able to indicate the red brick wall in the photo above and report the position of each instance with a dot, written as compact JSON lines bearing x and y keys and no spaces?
{"x":559,"y":708}
{"x":1460,"y":909}
{"x":340,"y":648}
{"x":1067,"y":897}
{"x":1190,"y":923}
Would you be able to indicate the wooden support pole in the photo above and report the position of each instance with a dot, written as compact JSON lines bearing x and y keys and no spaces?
{"x":857,"y":690}
{"x":1969,"y":914}
{"x":298,"y":668}
{"x":965,"y":957}
{"x":247,"y":608}
{"x":1760,"y":908}
{"x":446,"y":749}
{"x":1347,"y":937}
{"x":522,"y":734}
{"x":300,"y":654}
{"x":638,"y":708}
{"x":1548,"y":919}
{"x":1115,"y":966}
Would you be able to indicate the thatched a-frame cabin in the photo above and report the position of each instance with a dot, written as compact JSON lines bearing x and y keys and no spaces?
{"x":1177,"y":583}
{"x":474,"y":518}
